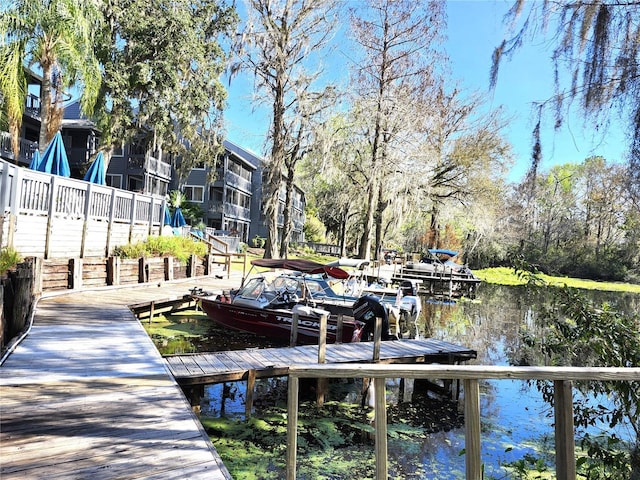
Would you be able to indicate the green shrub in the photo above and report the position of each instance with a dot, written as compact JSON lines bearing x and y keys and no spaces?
{"x":9,"y":258}
{"x":179,"y":247}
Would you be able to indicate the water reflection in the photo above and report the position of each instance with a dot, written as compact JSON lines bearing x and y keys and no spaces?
{"x":515,"y":420}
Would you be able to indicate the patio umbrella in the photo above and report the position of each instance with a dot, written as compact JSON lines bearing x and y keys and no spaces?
{"x":96,"y":173}
{"x":178,"y":219}
{"x":35,"y":160}
{"x":167,"y":215}
{"x":54,"y":159}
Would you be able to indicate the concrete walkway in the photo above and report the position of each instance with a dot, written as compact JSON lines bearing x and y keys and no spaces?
{"x":87,"y":395}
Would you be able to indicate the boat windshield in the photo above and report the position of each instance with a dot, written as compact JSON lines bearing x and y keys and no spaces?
{"x":253,"y":288}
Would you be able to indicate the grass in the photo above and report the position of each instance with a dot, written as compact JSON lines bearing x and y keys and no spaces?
{"x":508,"y":276}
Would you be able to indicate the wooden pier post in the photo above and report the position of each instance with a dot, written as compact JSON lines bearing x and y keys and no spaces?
{"x":293,"y":337}
{"x":340,"y":326}
{"x":322,"y":383}
{"x":251,"y":383}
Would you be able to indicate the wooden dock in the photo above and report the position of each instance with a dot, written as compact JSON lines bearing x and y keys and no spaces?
{"x":86,"y":395}
{"x":217,"y":367}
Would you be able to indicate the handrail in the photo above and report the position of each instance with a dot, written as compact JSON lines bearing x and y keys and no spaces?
{"x":470,"y":374}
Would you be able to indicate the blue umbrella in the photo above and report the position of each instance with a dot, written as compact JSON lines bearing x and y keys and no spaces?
{"x":167,"y":215}
{"x":96,"y":173}
{"x":35,"y":160}
{"x":178,"y":219}
{"x":54,"y":159}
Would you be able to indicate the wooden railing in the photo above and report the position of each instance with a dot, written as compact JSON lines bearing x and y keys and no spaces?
{"x":470,"y":375}
{"x":50,"y":216}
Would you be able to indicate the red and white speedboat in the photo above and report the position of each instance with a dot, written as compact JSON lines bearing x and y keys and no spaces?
{"x":266,"y":307}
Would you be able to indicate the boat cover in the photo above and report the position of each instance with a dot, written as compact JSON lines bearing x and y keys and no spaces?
{"x":300,"y":265}
{"x":440,"y":251}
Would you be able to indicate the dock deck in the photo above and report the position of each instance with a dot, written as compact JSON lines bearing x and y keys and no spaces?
{"x":204,"y":368}
{"x":87,"y":395}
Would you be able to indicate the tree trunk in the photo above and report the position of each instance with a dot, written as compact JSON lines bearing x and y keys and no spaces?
{"x":45,"y":106}
{"x":365,"y":242}
{"x":286,"y":224}
{"x":273,"y":173}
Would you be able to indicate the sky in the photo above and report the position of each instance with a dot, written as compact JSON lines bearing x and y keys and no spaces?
{"x":474,"y":29}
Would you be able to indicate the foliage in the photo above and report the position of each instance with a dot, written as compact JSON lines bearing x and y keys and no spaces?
{"x":57,"y":36}
{"x":161,"y":69}
{"x":9,"y":258}
{"x":174,"y":246}
{"x":575,"y":332}
{"x":191,"y":211}
{"x":278,"y":45}
{"x":313,"y":229}
{"x":258,"y":242}
{"x":597,"y":43}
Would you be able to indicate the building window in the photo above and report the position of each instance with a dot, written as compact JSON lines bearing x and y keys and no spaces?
{"x":118,"y":151}
{"x":215,"y":194}
{"x":194,"y":193}
{"x":114,"y":181}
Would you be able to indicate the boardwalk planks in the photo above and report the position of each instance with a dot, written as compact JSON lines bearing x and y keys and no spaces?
{"x":87,"y":395}
{"x":220,"y":366}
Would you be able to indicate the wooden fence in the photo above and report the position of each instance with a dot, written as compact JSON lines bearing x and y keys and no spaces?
{"x":563,"y":403}
{"x":49,"y":216}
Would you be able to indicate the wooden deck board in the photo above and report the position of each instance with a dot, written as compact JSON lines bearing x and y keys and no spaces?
{"x":217,"y":366}
{"x":87,"y":396}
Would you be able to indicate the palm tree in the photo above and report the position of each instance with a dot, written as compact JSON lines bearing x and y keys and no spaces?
{"x":56,"y":37}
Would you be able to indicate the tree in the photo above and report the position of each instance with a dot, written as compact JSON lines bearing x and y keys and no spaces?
{"x":162,"y":69}
{"x":398,"y":40}
{"x":598,"y":42}
{"x":277,"y":45}
{"x":57,"y":36}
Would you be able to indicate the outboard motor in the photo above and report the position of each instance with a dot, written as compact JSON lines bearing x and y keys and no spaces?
{"x":365,"y":310}
{"x":409,"y":288}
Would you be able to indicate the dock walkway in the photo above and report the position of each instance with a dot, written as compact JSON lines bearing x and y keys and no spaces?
{"x":87,"y":395}
{"x":215,"y":367}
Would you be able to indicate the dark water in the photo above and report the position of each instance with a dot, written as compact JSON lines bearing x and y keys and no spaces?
{"x":515,"y":420}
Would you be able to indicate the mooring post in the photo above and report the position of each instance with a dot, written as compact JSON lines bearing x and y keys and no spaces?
{"x":377,"y":338}
{"x":251,"y":382}
{"x":293,"y":338}
{"x":322,"y":353}
{"x":340,"y":325}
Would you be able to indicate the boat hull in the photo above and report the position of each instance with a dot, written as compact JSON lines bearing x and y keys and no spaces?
{"x":275,"y":323}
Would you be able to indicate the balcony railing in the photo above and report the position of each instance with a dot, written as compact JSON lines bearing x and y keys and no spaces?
{"x":230,"y":210}
{"x":26,"y":148}
{"x":149,"y":164}
{"x":32,"y":107}
{"x":237,"y":181}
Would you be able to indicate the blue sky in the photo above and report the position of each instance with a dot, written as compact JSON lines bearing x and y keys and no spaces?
{"x":475,"y":28}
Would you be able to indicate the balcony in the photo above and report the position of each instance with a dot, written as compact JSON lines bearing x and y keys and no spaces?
{"x":237,"y":181}
{"x":143,"y":163}
{"x":26,"y":149}
{"x":32,"y":107}
{"x":230,"y":210}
